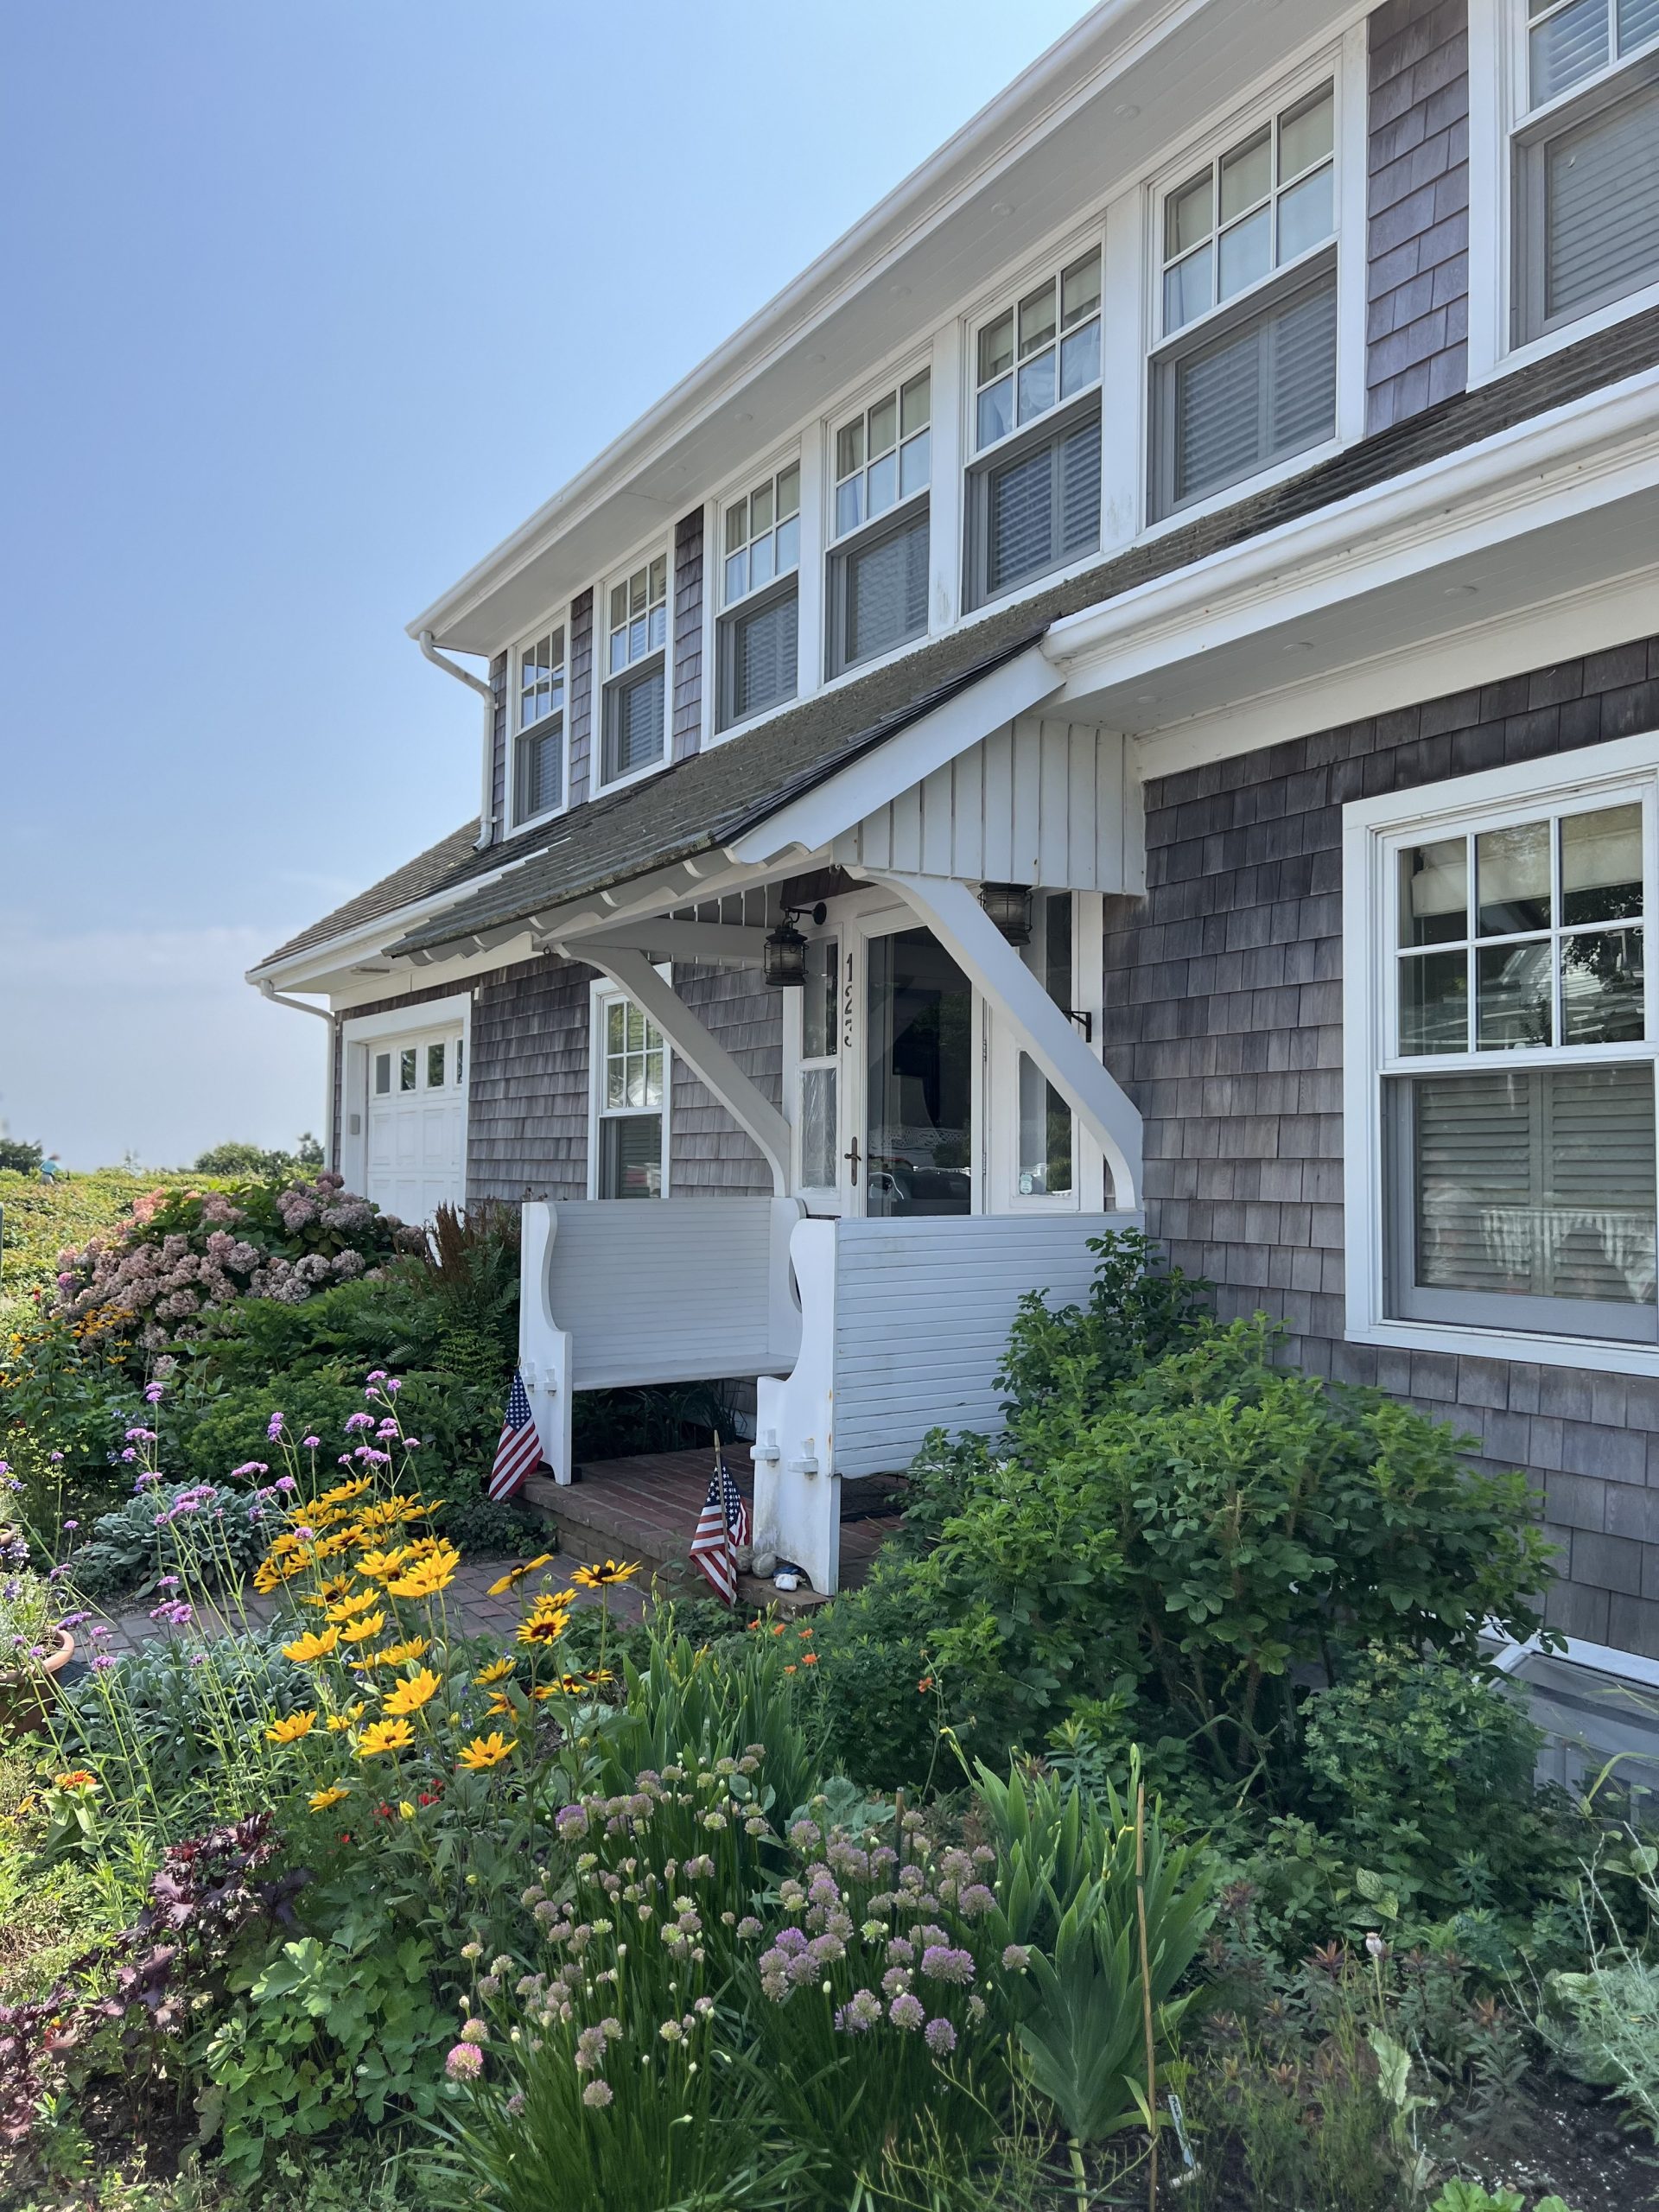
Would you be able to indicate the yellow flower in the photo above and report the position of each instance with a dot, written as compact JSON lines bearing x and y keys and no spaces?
{"x":346,"y":1609}
{"x":410,"y":1696}
{"x":343,"y":1493}
{"x":396,"y":1655}
{"x":486,"y":1750}
{"x":603,"y":1578}
{"x":290,"y":1730}
{"x":500,"y":1705}
{"x":518,"y":1573}
{"x":405,"y":1808}
{"x":497,"y":1671}
{"x":360,"y":1631}
{"x":331,"y":1591}
{"x":380,"y":1566}
{"x":349,"y":1719}
{"x":428,"y":1576}
{"x":566,"y":1682}
{"x":330,"y":1546}
{"x":384,"y":1736}
{"x":543,"y":1628}
{"x":314,"y":1644}
{"x":320,"y":1800}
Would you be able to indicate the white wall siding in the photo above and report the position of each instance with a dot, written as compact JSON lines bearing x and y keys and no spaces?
{"x":1038,"y":801}
{"x":923,"y":1311}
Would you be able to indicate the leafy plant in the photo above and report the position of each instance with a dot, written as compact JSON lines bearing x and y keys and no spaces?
{"x":240,"y":1160}
{"x":213,"y":1532}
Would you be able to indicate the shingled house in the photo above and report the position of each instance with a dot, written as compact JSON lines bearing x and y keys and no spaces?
{"x":1129,"y":692}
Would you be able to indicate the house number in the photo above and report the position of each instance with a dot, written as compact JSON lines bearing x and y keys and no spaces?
{"x":847,"y":1006}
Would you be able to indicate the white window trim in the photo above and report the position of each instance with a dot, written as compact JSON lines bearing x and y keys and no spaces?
{"x":1369,"y":827}
{"x":892,"y":377}
{"x":602,"y":996}
{"x":1498,"y":108}
{"x":799,"y":450}
{"x":642,"y":556}
{"x":358,"y":1033}
{"x":560,"y":620}
{"x":1343,"y":60}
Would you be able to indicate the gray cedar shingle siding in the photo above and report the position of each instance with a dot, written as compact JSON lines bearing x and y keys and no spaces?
{"x":687,"y":635}
{"x":1417,"y":200}
{"x":708,"y":1151}
{"x":1223,"y":1020}
{"x":581,"y":694}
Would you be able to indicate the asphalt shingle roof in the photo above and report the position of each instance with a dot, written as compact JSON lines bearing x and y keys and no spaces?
{"x":712,"y":796}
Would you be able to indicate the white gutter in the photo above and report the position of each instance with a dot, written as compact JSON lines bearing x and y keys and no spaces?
{"x":324,"y":1014}
{"x":486,"y":796}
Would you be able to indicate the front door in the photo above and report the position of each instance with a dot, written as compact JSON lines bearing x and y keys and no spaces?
{"x":919,"y":1078}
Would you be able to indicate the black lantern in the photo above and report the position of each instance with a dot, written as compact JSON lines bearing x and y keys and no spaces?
{"x":1008,"y":905}
{"x":783,"y":958}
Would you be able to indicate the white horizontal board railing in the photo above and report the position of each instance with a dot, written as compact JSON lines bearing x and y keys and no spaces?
{"x":903,"y":1328}
{"x":618,"y":1292}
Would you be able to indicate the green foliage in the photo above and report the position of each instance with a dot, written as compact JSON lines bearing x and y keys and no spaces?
{"x":328,"y":2031}
{"x":1470,"y":2196}
{"x":18,"y":1157}
{"x":222,"y":1537}
{"x":1137,"y":1312}
{"x":239,"y":1162}
{"x":662,"y":1417}
{"x":1188,"y":1543}
{"x":1603,"y":2023}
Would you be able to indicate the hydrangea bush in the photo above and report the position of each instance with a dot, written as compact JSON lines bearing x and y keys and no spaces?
{"x":183,"y":1252}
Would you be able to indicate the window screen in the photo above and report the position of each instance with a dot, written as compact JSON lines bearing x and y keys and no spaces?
{"x":880,"y":592}
{"x":1264,"y":388}
{"x":758,"y":652}
{"x":633,"y":723}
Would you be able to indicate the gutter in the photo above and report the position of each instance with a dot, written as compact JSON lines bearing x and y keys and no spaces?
{"x":486,"y":794}
{"x":323,"y":1014}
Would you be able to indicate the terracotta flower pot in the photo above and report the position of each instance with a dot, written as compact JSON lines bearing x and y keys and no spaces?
{"x":24,"y":1698}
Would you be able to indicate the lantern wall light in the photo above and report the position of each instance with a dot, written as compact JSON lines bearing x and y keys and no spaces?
{"x":783,"y":956}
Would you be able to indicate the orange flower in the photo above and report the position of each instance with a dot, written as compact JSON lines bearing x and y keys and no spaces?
{"x":790,"y":1667}
{"x":923,"y":1686}
{"x":77,"y":1778}
{"x":809,"y":1658}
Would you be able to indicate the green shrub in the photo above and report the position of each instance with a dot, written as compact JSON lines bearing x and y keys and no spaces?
{"x":216,"y":1532}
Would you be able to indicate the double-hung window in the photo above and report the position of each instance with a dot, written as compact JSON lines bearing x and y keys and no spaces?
{"x":879,"y":538}
{"x":630,"y":1102}
{"x":1586,"y":160}
{"x":636,"y":664}
{"x":1516,"y":1121}
{"x":1245,"y":373}
{"x":760,"y":626}
{"x":538,"y":723}
{"x":1034,"y":489}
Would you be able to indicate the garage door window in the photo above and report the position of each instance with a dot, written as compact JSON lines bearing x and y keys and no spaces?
{"x":413,"y":1133}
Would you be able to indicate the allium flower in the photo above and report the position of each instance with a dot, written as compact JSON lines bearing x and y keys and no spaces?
{"x":475,"y":2031}
{"x":464,"y":2063}
{"x":1016,"y":1959}
{"x":941,"y":1963}
{"x":906,"y":2011}
{"x":597,"y":2093}
{"x":940,"y":2037}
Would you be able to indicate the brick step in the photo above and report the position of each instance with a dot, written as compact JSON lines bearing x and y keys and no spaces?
{"x":593,"y":1522}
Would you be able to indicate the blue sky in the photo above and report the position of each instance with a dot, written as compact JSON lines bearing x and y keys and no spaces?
{"x":306,"y":304}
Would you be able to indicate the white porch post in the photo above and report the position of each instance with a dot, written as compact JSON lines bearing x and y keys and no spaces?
{"x":543,"y":1346}
{"x":747,"y":1104}
{"x":950,"y":909}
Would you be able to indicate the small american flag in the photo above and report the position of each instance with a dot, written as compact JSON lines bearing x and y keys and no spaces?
{"x":722,"y":1526}
{"x":519,"y":1452}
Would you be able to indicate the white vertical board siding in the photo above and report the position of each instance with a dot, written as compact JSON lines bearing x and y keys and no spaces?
{"x":1039,"y":802}
{"x":672,"y":1290}
{"x":922,"y":1313}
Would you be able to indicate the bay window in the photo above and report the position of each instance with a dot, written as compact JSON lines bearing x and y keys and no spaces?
{"x":1586,"y":160}
{"x":878,"y":576}
{"x":1246,"y":371}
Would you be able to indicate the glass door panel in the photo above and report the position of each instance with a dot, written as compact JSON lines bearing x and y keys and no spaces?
{"x":817,"y":1117}
{"x":918,"y":1149}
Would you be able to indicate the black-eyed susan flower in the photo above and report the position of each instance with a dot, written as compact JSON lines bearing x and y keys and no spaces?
{"x":486,"y":1750}
{"x":384,"y":1736}
{"x":396,"y":1655}
{"x":381,"y":1566}
{"x":291,"y":1728}
{"x":316,"y":1644}
{"x":497,"y":1671}
{"x":606,"y":1577}
{"x":360,"y":1631}
{"x":409,"y":1696}
{"x":544,"y":1629}
{"x":320,"y":1800}
{"x":516,"y":1574}
{"x":349,"y":1719}
{"x":347,"y":1607}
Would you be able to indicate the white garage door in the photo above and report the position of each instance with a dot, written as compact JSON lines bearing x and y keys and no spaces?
{"x":416,"y":1150}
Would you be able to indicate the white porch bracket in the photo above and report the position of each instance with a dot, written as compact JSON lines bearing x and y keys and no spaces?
{"x":714,"y":1066}
{"x":950,"y":910}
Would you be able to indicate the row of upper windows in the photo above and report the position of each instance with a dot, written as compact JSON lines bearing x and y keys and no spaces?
{"x":1242,"y":364}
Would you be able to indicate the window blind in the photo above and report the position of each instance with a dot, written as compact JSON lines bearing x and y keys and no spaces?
{"x":885,"y":586}
{"x":1538,"y":1183}
{"x":541,"y":764}
{"x":1262,"y":390}
{"x":1043,"y":508}
{"x":1601,"y":207}
{"x":633,"y":723}
{"x":762,"y":658}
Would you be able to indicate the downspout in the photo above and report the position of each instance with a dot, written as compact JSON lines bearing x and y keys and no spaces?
{"x":487,"y":693}
{"x":323,"y":1014}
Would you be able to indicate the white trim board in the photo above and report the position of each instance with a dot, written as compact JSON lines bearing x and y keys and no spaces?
{"x":1366,"y":823}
